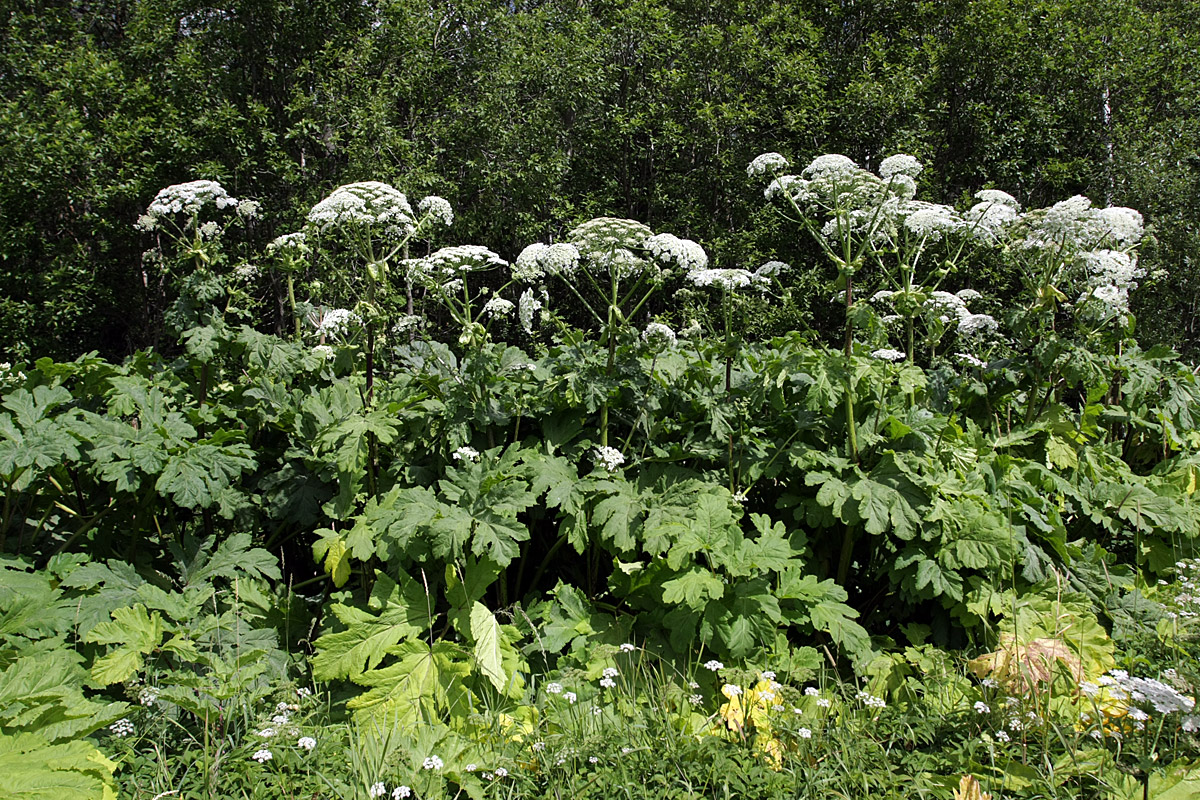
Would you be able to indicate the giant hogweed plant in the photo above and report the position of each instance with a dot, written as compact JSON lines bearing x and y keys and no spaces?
{"x":703,"y":494}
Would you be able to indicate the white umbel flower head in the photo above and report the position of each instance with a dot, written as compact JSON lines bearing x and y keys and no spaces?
{"x":828,"y":165}
{"x":767,"y":163}
{"x":610,"y":458}
{"x":683,"y":253}
{"x":366,"y":203}
{"x":1124,"y":225}
{"x":995,"y":196}
{"x":187,"y":198}
{"x":972,"y":324}
{"x":437,"y":209}
{"x":465,"y":454}
{"x":337,"y":322}
{"x":887,"y":354}
{"x":289,"y":242}
{"x":498,"y":307}
{"x":900,"y":164}
{"x":931,"y":221}
{"x":728,"y":279}
{"x":659,"y":335}
{"x":452,"y":261}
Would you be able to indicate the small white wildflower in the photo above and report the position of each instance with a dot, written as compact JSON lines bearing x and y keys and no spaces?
{"x":767,"y":675}
{"x":570,"y":697}
{"x":121,"y":728}
{"x":804,"y":733}
{"x":695,"y":699}
{"x":811,"y":691}
{"x":280,"y":719}
{"x":262,"y":756}
{"x":471,"y":767}
{"x":593,"y":760}
{"x":1089,"y":689}
{"x":731,"y":690}
{"x":610,"y":672}
{"x":188,"y":198}
{"x":713,"y":665}
{"x":377,"y":790}
{"x":266,"y":733}
{"x":554,"y":688}
{"x":324,"y":351}
{"x":306,"y":742}
{"x":148,"y":696}
{"x":432,"y":762}
{"x":465,"y":454}
{"x":609,"y":457}
{"x":767,"y":163}
{"x":871,"y":700}
{"x":767,"y":696}
{"x":607,"y":683}
{"x":887,"y":354}
{"x":628,"y":647}
{"x":539,"y":747}
{"x":501,"y":772}
{"x":1002,"y":736}
{"x":824,"y":702}
{"x":401,"y":792}
{"x":982,"y":707}
{"x":596,"y":711}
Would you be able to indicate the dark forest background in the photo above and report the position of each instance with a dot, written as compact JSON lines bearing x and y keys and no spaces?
{"x":532,"y":116}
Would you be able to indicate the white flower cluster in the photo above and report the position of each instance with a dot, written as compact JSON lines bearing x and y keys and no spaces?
{"x":930,"y":221}
{"x":988,"y":217}
{"x":465,"y":454}
{"x":887,"y":354}
{"x":451,"y":261}
{"x":437,"y":209}
{"x":900,"y":164}
{"x":527,"y":307}
{"x":767,"y":163}
{"x":432,"y":762}
{"x":121,"y":728}
{"x":366,"y":203}
{"x":728,"y":279}
{"x":337,"y":322}
{"x":498,"y":307}
{"x":540,"y":259}
{"x":289,"y":242}
{"x":610,"y":242}
{"x":306,"y":743}
{"x":1148,"y":691}
{"x":713,"y":665}
{"x":683,"y":253}
{"x":610,"y":458}
{"x":1111,"y":275}
{"x":1075,"y":223}
{"x":262,"y":756}
{"x":870,"y":700}
{"x":659,"y":335}
{"x":187,"y":198}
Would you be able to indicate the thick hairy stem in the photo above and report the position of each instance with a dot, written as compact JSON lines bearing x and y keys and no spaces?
{"x":851,"y":425}
{"x":291,"y":289}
